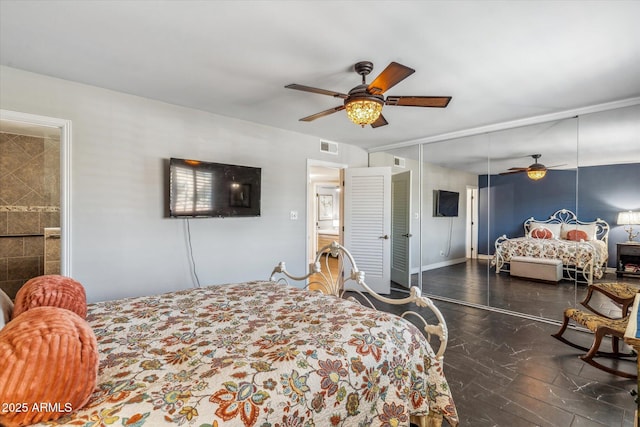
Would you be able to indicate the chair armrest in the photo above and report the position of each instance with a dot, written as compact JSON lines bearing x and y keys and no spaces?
{"x":620,"y":293}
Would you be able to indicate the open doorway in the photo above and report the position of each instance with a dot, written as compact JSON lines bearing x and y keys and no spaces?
{"x":34,"y":201}
{"x":361,"y":222}
{"x":325,"y":203}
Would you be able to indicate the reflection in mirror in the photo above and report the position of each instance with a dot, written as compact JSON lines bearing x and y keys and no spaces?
{"x":593,"y":171}
{"x":609,"y":183}
{"x":450,"y":244}
{"x":532,"y":174}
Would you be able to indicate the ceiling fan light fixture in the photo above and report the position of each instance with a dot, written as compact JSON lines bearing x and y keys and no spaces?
{"x":364,"y":111}
{"x":536,"y":174}
{"x":537,"y":170}
{"x":364,"y":102}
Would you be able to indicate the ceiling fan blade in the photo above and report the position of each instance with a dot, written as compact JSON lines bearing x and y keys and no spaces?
{"x":380,"y":122}
{"x":419,"y":101}
{"x":512,"y":172}
{"x":322,"y":114}
{"x":556,"y":166}
{"x":316,"y":90}
{"x":389,"y":77}
{"x":519,"y":169}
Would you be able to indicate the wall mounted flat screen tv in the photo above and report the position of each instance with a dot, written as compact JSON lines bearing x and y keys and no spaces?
{"x":205,"y":189}
{"x":445,"y":203}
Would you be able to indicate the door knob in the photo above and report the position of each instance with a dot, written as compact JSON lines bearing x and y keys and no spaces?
{"x":385,"y":237}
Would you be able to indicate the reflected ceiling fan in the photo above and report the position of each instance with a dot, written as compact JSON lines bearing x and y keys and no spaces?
{"x":535,"y":171}
{"x":364,"y":102}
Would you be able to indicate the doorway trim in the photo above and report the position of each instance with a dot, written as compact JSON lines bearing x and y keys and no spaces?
{"x":64,"y":127}
{"x":471,"y":247}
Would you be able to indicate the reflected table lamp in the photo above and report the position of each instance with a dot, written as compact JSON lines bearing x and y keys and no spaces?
{"x":628,"y":219}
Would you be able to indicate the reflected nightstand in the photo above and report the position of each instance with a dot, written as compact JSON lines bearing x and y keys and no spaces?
{"x":627,"y":253}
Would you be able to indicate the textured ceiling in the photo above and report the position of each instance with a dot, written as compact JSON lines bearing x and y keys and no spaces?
{"x":500,"y":61}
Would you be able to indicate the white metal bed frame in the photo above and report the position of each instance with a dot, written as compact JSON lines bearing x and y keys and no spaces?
{"x":333,"y":283}
{"x":562,"y":216}
{"x":325,"y":281}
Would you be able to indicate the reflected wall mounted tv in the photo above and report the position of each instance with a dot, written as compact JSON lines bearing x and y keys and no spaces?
{"x":206,"y":189}
{"x":445,"y":203}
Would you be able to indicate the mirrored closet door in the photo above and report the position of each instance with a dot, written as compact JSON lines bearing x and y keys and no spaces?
{"x":591,"y":168}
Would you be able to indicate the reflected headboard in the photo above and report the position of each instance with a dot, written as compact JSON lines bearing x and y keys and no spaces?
{"x":567,"y":220}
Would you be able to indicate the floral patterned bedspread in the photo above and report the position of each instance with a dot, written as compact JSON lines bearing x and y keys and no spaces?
{"x":572,"y":253}
{"x":258,"y":354}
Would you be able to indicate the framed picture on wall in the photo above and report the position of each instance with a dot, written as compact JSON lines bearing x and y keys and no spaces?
{"x":240,"y":196}
{"x":325,"y":207}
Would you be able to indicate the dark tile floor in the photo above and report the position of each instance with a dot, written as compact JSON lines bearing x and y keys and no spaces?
{"x":475,"y":283}
{"x":505,"y":370}
{"x":508,"y":371}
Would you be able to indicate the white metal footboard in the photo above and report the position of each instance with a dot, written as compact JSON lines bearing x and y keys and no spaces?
{"x":332,"y":278}
{"x":578,"y":265}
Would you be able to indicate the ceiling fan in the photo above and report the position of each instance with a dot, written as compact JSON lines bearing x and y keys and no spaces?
{"x":535,"y":171}
{"x":364,"y":102}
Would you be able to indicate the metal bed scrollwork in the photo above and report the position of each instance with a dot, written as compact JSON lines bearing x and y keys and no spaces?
{"x":327,"y":274}
{"x":582,"y":260}
{"x":332,"y":281}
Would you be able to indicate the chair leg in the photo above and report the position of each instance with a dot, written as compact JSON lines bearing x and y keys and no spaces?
{"x":600,"y":333}
{"x":593,"y":351}
{"x":615,"y":346}
{"x":559,"y":337}
{"x":615,"y":343}
{"x":565,"y":323}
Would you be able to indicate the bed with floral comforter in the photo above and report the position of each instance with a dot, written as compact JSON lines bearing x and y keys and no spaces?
{"x":588,"y":257}
{"x":258,"y":354}
{"x":583,"y":259}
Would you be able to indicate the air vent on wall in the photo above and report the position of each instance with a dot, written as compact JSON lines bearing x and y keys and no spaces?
{"x":328,"y":147}
{"x":398,"y":161}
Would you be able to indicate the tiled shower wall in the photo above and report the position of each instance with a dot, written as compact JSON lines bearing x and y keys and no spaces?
{"x":29,"y":203}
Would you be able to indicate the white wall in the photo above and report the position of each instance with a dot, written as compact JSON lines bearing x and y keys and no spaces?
{"x":122,"y":244}
{"x":443,"y":238}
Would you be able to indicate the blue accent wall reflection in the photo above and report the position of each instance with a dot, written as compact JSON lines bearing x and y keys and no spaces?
{"x":603,"y":191}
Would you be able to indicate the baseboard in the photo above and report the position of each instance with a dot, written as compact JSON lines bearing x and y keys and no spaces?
{"x":440,"y":265}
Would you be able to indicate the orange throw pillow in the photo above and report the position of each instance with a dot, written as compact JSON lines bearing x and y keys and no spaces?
{"x":541,"y":233}
{"x":51,"y":290}
{"x":48,"y":365}
{"x":577,"y":235}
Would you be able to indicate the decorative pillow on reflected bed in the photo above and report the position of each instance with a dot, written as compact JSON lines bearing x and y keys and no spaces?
{"x":589,"y":229}
{"x":577,"y":235}
{"x":553,"y":227}
{"x":54,"y":291}
{"x":541,"y":233}
{"x":48,"y":365}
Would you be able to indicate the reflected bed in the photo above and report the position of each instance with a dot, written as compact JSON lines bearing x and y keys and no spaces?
{"x":580,"y":245}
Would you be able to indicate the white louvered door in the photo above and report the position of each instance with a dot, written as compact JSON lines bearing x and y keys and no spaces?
{"x":367,"y":223}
